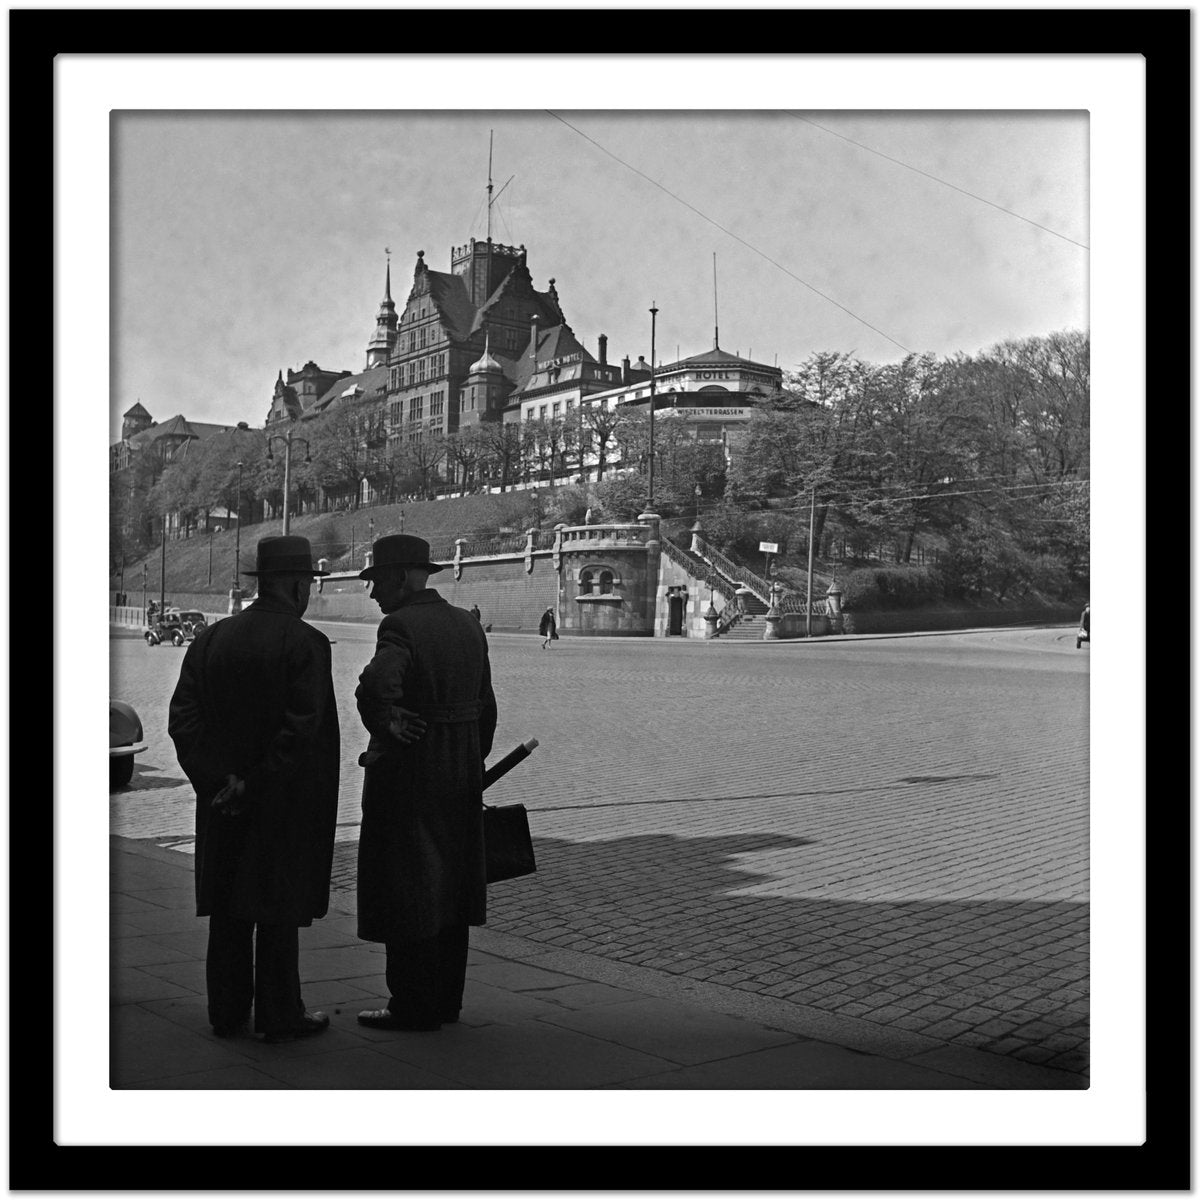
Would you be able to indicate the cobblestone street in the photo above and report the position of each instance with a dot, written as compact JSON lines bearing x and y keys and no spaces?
{"x":893,"y":829}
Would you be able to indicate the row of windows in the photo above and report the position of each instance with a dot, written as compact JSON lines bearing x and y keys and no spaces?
{"x":416,"y":408}
{"x":549,"y":412}
{"x":416,"y":371}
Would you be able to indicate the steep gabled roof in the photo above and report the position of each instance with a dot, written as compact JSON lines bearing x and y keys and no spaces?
{"x":450,"y":297}
{"x":365,"y":384}
{"x":555,"y":342}
{"x":546,"y":303}
{"x":177,"y":426}
{"x":136,"y":411}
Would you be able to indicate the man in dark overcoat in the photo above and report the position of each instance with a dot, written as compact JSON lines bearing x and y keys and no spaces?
{"x":426,"y":699}
{"x":255,"y":727}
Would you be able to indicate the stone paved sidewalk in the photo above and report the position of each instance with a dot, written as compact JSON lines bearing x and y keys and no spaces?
{"x":533,"y":1018}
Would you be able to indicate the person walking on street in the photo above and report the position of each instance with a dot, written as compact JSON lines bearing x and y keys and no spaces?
{"x":548,"y":628}
{"x":255,"y":727}
{"x":476,"y":614}
{"x":426,"y":699}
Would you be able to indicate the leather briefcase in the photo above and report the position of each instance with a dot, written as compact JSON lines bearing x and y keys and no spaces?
{"x":506,"y":841}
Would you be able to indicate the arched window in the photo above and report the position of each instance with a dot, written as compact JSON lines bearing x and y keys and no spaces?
{"x":585,"y":582}
{"x":606,"y":582}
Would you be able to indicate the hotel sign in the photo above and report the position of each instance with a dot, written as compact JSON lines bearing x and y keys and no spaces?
{"x":561,"y":361}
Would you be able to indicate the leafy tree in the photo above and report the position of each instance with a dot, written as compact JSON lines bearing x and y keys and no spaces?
{"x":463,"y":451}
{"x":425,"y":453}
{"x":600,"y":426}
{"x":500,"y":444}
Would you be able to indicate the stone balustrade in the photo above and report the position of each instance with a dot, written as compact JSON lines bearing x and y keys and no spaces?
{"x":576,"y":537}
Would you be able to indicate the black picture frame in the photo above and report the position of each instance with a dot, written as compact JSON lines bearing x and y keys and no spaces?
{"x":37,"y":1163}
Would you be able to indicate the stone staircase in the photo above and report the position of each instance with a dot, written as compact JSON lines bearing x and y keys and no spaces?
{"x":752,"y":626}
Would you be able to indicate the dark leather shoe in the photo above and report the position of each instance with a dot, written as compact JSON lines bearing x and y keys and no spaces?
{"x":383,"y":1018}
{"x":233,"y":1029}
{"x":310,"y":1024}
{"x":449,"y":1018}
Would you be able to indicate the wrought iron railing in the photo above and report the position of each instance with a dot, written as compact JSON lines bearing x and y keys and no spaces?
{"x":735,"y":573}
{"x":698,"y":569}
{"x":511,"y":543}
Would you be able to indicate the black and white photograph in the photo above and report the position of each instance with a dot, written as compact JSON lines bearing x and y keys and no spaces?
{"x":773,"y":427}
{"x":599,"y":600}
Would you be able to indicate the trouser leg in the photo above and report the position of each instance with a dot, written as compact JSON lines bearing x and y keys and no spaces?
{"x":452,"y":969}
{"x":412,"y":978}
{"x":229,"y":970}
{"x":278,"y":1005}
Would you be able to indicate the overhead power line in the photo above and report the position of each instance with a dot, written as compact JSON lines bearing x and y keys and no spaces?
{"x":848,"y":497}
{"x":729,"y":233}
{"x":943,"y":182}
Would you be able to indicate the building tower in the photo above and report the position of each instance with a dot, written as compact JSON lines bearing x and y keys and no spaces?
{"x":134,"y":421}
{"x":485,"y":389}
{"x":381,"y":345}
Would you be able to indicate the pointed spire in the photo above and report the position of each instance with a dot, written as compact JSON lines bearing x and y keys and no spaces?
{"x":387,"y":281}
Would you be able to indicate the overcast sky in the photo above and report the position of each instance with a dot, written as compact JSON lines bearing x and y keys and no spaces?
{"x":247,"y":243}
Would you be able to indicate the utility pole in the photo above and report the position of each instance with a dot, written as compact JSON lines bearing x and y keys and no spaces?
{"x":650,"y":488}
{"x":812,"y":517}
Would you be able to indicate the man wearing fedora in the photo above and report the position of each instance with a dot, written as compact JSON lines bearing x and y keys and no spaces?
{"x":255,"y":727}
{"x":426,"y":700}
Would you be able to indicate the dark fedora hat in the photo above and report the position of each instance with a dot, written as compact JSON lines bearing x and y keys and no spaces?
{"x":284,"y":555}
{"x":399,"y":550}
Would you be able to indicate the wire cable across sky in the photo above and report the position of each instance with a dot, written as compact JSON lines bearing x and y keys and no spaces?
{"x":926,"y":174}
{"x":729,"y":233}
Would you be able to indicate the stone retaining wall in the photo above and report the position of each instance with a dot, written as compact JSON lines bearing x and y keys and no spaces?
{"x":508,"y":596}
{"x":926,"y":621}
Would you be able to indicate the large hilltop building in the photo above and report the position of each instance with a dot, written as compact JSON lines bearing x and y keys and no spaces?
{"x":481,"y":344}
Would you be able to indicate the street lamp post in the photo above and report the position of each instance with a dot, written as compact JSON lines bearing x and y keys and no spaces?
{"x":237,"y":537}
{"x":287,"y":440}
{"x":162,"y":570}
{"x":812,"y":519}
{"x":650,"y":483}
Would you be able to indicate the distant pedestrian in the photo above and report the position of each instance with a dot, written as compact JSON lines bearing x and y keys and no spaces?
{"x":548,"y":628}
{"x":587,"y":517}
{"x":475,"y":613}
{"x":422,"y":879}
{"x":255,"y":727}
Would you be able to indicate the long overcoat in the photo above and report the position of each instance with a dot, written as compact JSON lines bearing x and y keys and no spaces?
{"x":420,"y":850}
{"x":255,"y":699}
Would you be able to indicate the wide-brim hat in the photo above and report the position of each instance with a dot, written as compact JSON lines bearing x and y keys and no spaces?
{"x":284,"y":555}
{"x":399,"y":550}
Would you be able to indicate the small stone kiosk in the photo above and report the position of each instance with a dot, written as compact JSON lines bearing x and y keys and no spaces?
{"x":608,"y":578}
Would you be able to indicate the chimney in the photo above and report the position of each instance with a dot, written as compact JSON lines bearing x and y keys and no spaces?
{"x":603,"y":348}
{"x":533,"y":336}
{"x":625,"y":369}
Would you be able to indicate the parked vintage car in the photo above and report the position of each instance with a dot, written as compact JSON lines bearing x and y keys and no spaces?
{"x":124,"y":741}
{"x":175,"y":626}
